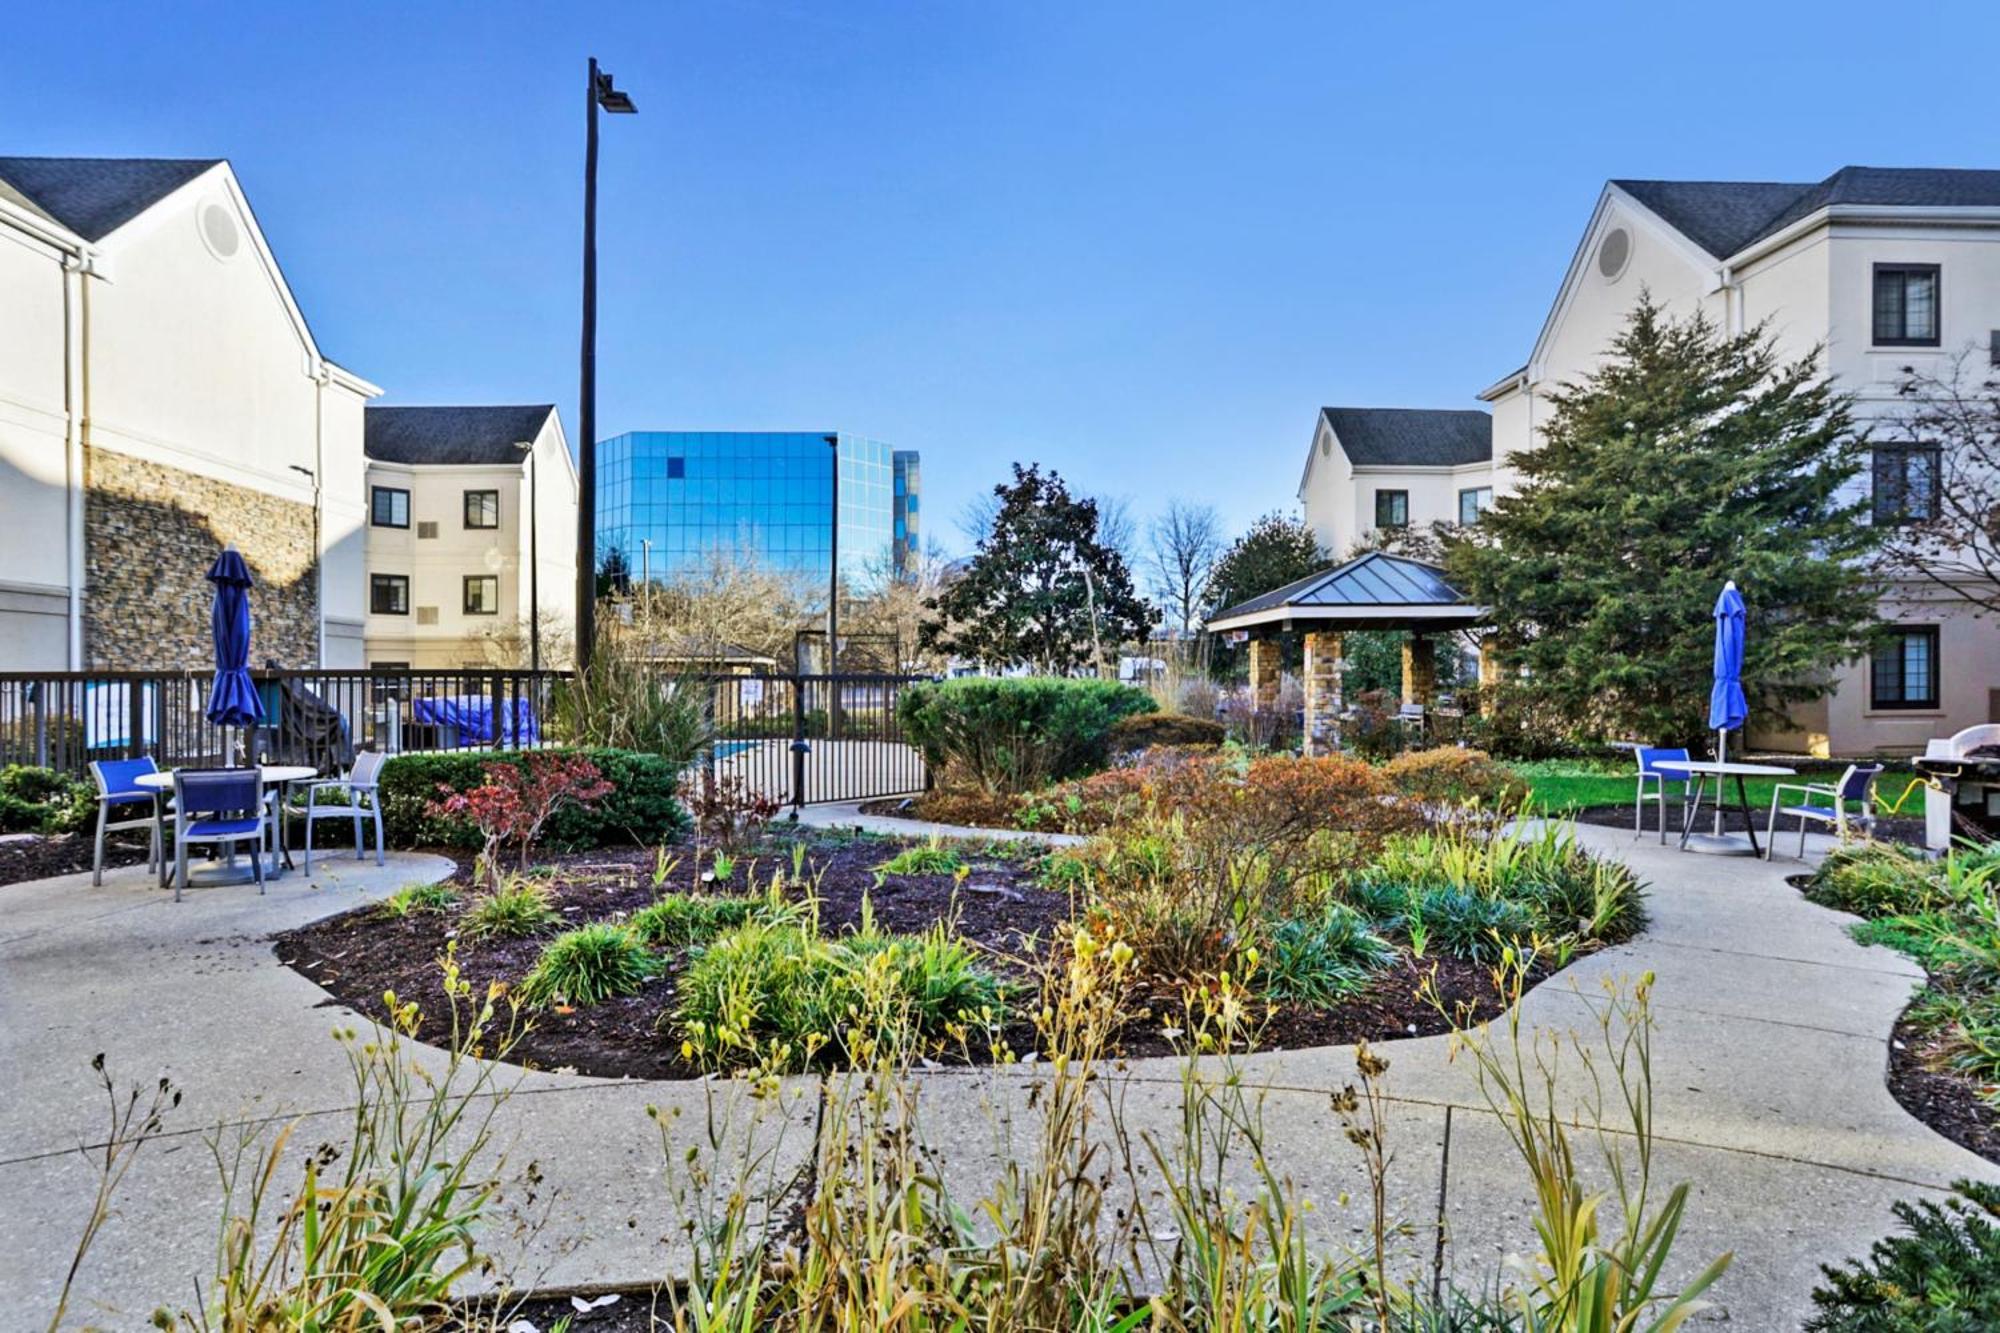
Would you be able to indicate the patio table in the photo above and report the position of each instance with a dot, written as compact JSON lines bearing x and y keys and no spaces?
{"x":271,"y":775}
{"x":1700,"y":770}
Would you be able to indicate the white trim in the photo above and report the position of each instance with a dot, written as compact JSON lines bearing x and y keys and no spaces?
{"x":1288,"y":614}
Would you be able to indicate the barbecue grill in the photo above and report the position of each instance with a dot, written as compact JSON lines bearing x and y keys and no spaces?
{"x":1965,"y":787}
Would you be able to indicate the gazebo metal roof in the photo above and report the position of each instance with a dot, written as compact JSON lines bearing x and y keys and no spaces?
{"x":1375,"y":591}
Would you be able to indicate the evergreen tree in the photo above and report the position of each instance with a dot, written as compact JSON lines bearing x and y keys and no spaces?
{"x":1278,"y":549}
{"x":1044,"y":587}
{"x":1688,"y":458}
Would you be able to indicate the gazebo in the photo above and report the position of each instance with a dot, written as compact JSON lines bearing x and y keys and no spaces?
{"x":1377,"y":591}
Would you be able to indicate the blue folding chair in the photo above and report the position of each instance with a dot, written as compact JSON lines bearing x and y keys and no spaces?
{"x":117,"y":785}
{"x":221,"y":807}
{"x":1649,"y":758}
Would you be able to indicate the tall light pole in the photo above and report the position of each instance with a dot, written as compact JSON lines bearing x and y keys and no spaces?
{"x":601,"y":94}
{"x":833,"y":558}
{"x":527,"y":448}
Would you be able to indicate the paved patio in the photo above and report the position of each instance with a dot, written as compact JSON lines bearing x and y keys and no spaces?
{"x":1769,"y":1054}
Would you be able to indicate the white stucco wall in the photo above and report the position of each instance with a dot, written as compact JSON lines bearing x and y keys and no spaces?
{"x":34,"y":505}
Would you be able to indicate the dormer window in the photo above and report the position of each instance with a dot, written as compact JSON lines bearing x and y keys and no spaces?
{"x":1906,"y":305}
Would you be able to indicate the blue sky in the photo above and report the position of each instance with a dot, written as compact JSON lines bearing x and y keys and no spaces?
{"x":1139,"y":243}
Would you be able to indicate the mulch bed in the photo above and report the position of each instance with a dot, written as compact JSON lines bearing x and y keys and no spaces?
{"x":1947,"y":1103}
{"x":29,"y":856}
{"x":358,"y":956}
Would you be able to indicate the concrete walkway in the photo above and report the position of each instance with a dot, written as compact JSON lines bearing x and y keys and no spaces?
{"x":847,"y":815}
{"x":1768,"y":1070}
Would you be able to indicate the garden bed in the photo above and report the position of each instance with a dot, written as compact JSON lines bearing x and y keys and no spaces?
{"x":1000,"y":910}
{"x":1901,"y":829}
{"x":32,"y":856}
{"x":1947,"y":1103}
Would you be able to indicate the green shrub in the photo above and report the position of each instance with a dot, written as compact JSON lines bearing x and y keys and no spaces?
{"x":591,"y":963}
{"x":1874,"y":879}
{"x":642,"y":808}
{"x":781,"y":997}
{"x":41,"y":800}
{"x":1143,"y":731}
{"x":924,"y":858}
{"x":626,"y":702}
{"x":1941,"y":1276}
{"x":523,"y":906}
{"x":1015,"y":735}
{"x":1535,"y":878}
{"x":680,"y":920}
{"x":1452,"y":775}
{"x":1319,"y":959}
{"x":412,"y":899}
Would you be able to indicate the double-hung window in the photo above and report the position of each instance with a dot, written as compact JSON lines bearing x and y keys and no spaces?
{"x":482,"y":509}
{"x":1392,"y":509}
{"x":1906,"y":305}
{"x":1472,"y":502}
{"x":1906,"y":483}
{"x":1903,"y":669}
{"x":389,"y":594}
{"x":389,"y":507}
{"x":482,"y":594}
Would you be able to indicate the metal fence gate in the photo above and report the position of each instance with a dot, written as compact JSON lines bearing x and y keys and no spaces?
{"x":811,"y":739}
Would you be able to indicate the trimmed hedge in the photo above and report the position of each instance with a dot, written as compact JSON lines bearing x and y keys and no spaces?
{"x":1016,"y":734}
{"x":642,"y":809}
{"x":41,"y":800}
{"x":1143,"y":731}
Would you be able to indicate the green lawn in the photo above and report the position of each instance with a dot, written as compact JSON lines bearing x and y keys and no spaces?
{"x":1559,"y":785}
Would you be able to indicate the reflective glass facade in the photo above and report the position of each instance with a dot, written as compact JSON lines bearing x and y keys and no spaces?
{"x":905,"y":520}
{"x":767,"y":496}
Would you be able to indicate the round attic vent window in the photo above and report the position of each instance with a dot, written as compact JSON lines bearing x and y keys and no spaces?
{"x":218,"y":231}
{"x":1614,"y":252}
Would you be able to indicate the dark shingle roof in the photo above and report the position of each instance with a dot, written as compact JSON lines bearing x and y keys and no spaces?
{"x":94,"y":196}
{"x":1722,"y":217}
{"x":1411,"y":436}
{"x":460,"y":435}
{"x":1372,"y":582}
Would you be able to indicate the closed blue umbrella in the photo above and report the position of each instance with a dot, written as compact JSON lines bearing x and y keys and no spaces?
{"x":1727,"y":708}
{"x":232,"y":699}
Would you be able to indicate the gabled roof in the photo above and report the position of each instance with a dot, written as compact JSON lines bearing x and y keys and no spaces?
{"x":1377,"y":590}
{"x":478,"y":436}
{"x":94,"y":196}
{"x":1411,"y":436}
{"x":1724,"y":217}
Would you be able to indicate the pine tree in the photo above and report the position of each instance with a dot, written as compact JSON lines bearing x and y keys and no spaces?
{"x":1044,"y":588}
{"x":1688,"y":458}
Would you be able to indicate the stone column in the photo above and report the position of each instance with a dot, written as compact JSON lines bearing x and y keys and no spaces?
{"x":1266,"y":665}
{"x":1323,"y":692}
{"x":1489,"y":674}
{"x":1419,"y":669}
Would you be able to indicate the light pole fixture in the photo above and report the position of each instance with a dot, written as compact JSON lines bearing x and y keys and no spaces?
{"x":527,"y":448}
{"x":601,"y":94}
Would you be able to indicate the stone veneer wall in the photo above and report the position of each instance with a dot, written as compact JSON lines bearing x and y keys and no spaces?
{"x":150,"y":534}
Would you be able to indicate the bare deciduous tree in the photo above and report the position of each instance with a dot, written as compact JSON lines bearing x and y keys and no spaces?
{"x":1937,"y":485}
{"x":1183,"y":543}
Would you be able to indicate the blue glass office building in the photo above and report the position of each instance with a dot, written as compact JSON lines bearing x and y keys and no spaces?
{"x":761,"y":495}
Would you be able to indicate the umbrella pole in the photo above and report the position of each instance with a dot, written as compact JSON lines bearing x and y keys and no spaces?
{"x":1721,"y":757}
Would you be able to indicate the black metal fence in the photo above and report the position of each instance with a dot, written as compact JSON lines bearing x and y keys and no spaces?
{"x":797,"y":738}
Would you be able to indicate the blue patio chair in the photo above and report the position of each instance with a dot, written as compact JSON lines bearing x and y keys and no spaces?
{"x":1856,"y":784}
{"x":361,"y":781}
{"x":221,"y":807}
{"x":1649,"y":758}
{"x":116,"y":785}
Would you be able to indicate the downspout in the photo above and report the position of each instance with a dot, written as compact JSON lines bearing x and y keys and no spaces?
{"x":76,"y":415}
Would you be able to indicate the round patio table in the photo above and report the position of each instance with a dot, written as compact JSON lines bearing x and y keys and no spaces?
{"x":162,"y":782}
{"x":1700,"y":770}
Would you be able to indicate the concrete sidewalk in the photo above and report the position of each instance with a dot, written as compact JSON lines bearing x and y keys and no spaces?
{"x":1769,"y":1060}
